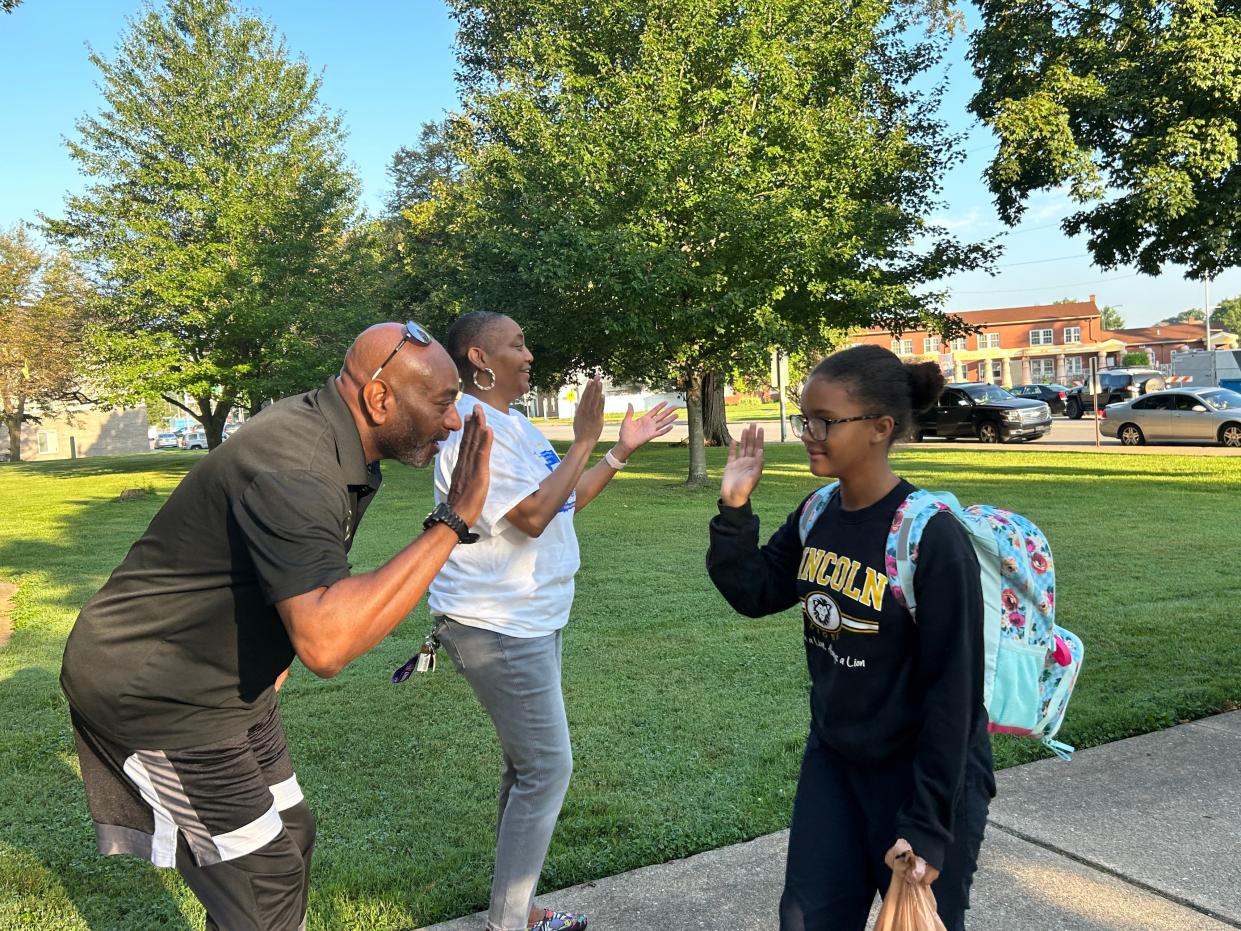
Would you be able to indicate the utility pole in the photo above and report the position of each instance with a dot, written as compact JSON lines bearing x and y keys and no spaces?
{"x":1098,"y":398}
{"x":1210,"y":348}
{"x":780,"y":392}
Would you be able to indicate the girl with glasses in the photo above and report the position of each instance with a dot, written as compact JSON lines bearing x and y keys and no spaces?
{"x":897,"y":763}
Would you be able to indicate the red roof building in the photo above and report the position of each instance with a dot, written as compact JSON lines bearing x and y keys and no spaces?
{"x":1163,"y":339}
{"x":1016,"y":345}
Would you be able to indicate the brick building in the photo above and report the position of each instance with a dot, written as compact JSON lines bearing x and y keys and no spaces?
{"x":1163,"y":339}
{"x":83,"y":430}
{"x":1016,"y":345}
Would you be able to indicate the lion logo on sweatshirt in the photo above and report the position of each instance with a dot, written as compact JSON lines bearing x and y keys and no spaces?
{"x":823,"y":612}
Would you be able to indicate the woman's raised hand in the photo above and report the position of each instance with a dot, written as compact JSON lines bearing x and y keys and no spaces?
{"x":588,"y":418}
{"x":744,"y":467}
{"x":636,"y":432}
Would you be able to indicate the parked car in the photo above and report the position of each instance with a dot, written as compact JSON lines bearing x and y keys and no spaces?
{"x":194,"y":439}
{"x":1115,"y":387}
{"x":1054,"y":396}
{"x":1179,"y":415}
{"x":167,"y":441}
{"x":985,"y":411}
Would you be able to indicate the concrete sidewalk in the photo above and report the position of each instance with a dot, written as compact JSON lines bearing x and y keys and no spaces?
{"x":1137,"y":835}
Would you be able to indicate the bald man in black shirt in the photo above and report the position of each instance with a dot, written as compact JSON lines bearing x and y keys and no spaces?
{"x":171,"y":668}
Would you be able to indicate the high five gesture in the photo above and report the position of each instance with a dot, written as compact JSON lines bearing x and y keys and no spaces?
{"x":744,"y":467}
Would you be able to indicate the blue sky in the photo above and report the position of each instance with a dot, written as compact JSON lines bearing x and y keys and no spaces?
{"x":388,"y":67}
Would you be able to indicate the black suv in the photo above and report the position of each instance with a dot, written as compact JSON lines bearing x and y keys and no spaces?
{"x":985,"y":411}
{"x":1115,"y":386}
{"x":1052,"y":395}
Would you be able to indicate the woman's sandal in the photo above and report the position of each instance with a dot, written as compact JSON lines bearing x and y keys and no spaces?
{"x":558,"y":921}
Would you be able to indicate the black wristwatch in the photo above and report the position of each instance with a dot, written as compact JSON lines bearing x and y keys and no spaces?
{"x":443,"y":514}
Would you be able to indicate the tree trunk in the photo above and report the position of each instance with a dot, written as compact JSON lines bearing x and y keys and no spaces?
{"x":14,"y":423}
{"x":714,"y":415}
{"x":551,"y":405}
{"x":213,"y":417}
{"x":693,"y":412}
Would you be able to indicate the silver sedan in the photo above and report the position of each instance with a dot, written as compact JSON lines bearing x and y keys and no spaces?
{"x":1180,"y":415}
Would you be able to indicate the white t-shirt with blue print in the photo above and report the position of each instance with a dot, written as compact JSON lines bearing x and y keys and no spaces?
{"x":508,"y":582}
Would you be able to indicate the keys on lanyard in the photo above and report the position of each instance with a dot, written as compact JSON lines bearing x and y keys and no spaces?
{"x":422,"y":661}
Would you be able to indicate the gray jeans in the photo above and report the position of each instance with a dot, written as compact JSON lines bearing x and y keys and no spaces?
{"x":517,"y":679}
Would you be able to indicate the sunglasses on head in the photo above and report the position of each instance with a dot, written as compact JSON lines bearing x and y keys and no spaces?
{"x":415,"y":333}
{"x":817,"y":426}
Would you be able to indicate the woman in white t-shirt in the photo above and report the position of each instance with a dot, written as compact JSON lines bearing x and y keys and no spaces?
{"x":501,"y":602}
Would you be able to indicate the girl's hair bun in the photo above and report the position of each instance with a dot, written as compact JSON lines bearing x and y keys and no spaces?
{"x":926,"y":384}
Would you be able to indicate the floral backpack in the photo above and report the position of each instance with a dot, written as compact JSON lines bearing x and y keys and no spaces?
{"x":1031,"y":665}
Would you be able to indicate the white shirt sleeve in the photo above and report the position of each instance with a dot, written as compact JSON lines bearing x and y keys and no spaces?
{"x":513,"y":477}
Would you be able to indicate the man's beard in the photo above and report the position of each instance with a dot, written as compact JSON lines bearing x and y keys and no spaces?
{"x":420,"y":455}
{"x":403,"y":446}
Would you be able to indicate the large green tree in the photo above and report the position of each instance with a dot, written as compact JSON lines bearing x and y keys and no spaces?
{"x":217,"y":215}
{"x":1192,"y":315}
{"x":416,"y":170}
{"x":43,"y":302}
{"x":1227,"y":315}
{"x":1134,"y":106}
{"x":1109,"y":317}
{"x":670,"y":189}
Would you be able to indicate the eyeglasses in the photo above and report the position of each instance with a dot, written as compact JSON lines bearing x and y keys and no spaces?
{"x":817,"y":426}
{"x":414,"y":332}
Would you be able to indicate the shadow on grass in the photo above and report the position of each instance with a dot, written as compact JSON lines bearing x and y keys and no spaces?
{"x":50,"y":871}
{"x":79,"y":550}
{"x":49,"y":866}
{"x":688,"y":721}
{"x":1003,"y":471}
{"x":167,"y":463}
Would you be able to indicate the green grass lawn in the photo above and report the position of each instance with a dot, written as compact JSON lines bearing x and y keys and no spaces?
{"x":687,"y":720}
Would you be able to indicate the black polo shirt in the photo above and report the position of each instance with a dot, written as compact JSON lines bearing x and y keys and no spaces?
{"x":182,"y":645}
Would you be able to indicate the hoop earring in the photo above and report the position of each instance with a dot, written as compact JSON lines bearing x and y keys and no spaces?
{"x":485,"y":387}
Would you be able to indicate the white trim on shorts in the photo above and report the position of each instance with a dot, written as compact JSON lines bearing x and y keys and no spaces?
{"x":287,"y":793}
{"x":172,"y":810}
{"x":250,"y":837}
{"x":164,"y":840}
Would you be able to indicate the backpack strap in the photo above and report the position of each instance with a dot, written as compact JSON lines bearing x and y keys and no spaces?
{"x":901,"y":554}
{"x":901,"y":557}
{"x":813,"y":509}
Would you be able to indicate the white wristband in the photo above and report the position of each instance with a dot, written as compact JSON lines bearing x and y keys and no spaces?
{"x":615,"y":463}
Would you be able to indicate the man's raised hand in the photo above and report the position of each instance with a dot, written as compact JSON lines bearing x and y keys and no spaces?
{"x":471,"y":476}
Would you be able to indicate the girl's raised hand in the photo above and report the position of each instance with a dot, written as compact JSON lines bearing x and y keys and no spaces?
{"x":744,"y":467}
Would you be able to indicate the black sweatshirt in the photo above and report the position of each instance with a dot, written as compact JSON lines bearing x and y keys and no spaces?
{"x":883,"y":688}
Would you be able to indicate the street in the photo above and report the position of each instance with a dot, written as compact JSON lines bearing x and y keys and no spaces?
{"x":1066,"y":436}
